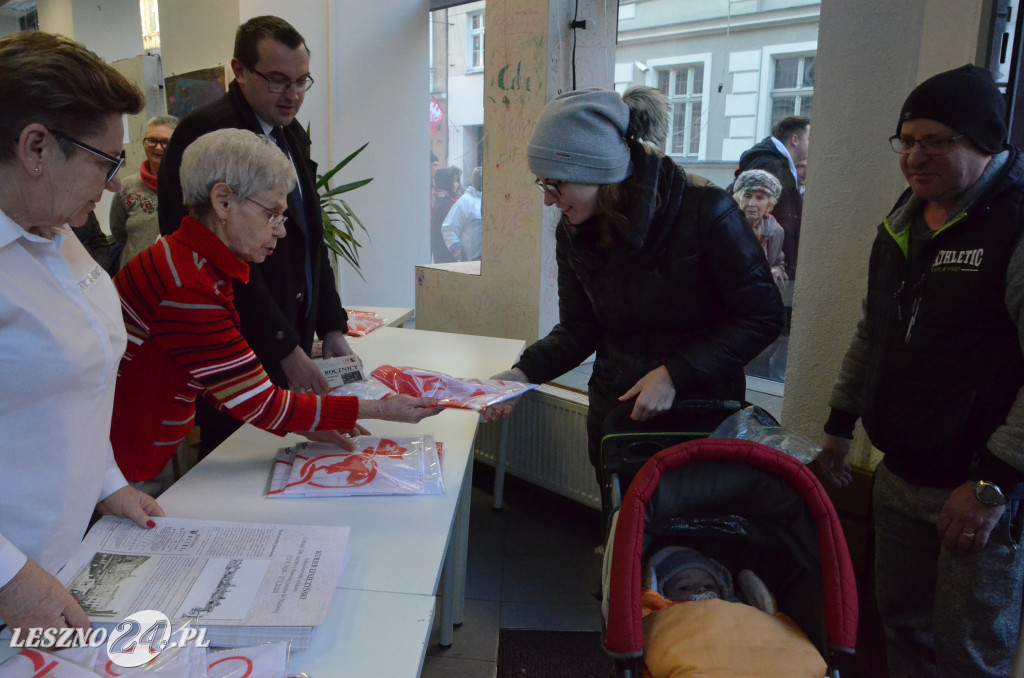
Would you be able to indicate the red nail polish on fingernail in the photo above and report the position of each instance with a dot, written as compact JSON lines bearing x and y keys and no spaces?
{"x":150,"y":523}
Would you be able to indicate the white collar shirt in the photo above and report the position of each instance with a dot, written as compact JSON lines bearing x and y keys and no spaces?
{"x":785,"y":151}
{"x":268,"y":132}
{"x":61,"y":340}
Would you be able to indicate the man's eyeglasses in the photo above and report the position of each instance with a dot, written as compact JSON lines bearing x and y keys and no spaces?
{"x":115,"y":162}
{"x":152,"y":142}
{"x":904,"y":145}
{"x":281,"y":85}
{"x":549,"y":189}
{"x":275,"y":219}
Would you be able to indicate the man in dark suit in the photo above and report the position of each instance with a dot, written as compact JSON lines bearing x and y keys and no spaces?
{"x":778,"y":155}
{"x":292,"y":294}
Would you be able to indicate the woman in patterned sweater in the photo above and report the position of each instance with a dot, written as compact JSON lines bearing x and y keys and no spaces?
{"x":183,"y":329}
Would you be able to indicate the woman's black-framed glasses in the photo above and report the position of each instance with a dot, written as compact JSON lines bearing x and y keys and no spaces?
{"x":116,"y":163}
{"x":281,"y":85}
{"x":153,"y":142}
{"x":549,"y":189}
{"x":274,"y":219}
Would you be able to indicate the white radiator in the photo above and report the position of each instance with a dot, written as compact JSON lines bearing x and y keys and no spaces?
{"x":547,"y":444}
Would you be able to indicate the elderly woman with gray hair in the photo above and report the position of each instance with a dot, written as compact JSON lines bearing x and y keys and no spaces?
{"x":757,"y":191}
{"x":183,"y":330}
{"x":134,"y":223}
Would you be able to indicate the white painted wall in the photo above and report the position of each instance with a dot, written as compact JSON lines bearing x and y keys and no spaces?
{"x":57,"y":16}
{"x":197,"y":34}
{"x":8,"y":23}
{"x":853,"y":177}
{"x":111,"y":28}
{"x":381,"y":94}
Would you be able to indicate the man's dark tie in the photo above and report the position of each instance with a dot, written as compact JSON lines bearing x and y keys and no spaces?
{"x":298,"y":215}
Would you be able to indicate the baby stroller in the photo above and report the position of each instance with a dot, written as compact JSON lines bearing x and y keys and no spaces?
{"x":748,"y":506}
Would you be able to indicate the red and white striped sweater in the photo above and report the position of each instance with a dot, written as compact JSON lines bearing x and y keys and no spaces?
{"x":183,"y":342}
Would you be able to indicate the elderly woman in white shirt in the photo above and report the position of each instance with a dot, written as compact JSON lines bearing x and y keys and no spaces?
{"x":61,"y":333}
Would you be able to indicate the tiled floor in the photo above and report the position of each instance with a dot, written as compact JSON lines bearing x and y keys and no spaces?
{"x":531,"y":566}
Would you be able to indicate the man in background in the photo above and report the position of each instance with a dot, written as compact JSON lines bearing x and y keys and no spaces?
{"x":778,"y":155}
{"x":292,"y":294}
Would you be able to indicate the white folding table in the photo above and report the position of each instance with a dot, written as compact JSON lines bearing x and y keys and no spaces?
{"x":401,"y":545}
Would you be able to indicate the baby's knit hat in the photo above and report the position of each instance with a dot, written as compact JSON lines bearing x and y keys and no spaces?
{"x":758,"y":180}
{"x":965,"y":99}
{"x":672,"y":560}
{"x":580,"y":138}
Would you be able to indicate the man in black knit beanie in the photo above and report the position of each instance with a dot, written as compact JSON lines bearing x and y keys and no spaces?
{"x":935,"y":372}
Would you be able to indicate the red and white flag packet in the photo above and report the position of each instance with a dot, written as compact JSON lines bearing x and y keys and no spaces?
{"x":467,"y":394}
{"x":361,"y":323}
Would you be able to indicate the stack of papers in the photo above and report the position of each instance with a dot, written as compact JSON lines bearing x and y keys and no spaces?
{"x":396,"y":465}
{"x":246,"y":583}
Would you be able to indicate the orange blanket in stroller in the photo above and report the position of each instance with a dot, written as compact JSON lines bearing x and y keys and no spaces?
{"x":720,"y":638}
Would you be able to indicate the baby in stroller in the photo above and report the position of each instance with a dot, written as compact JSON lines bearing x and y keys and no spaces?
{"x":677,"y":573}
{"x":693,"y":618}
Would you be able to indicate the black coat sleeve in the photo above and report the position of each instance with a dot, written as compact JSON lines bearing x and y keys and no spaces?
{"x":575,"y":336}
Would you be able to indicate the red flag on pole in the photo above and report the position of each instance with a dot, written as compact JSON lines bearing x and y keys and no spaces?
{"x":436,"y":115}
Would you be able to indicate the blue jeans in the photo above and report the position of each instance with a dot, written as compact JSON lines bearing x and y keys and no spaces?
{"x":944,"y":615}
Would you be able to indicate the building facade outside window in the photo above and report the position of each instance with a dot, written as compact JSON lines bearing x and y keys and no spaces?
{"x":456,"y":73}
{"x":150,"y":24}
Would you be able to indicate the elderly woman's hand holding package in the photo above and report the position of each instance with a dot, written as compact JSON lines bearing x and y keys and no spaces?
{"x":62,"y":338}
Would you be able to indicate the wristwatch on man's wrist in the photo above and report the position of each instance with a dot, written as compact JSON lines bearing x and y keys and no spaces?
{"x":989,"y":493}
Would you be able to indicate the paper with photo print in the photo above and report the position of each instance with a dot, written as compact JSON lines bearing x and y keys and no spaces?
{"x":239,"y":580}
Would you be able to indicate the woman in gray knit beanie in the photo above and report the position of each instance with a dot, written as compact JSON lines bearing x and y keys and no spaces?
{"x":658,"y":271}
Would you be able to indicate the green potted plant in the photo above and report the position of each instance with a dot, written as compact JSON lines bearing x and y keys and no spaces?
{"x":339,"y":221}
